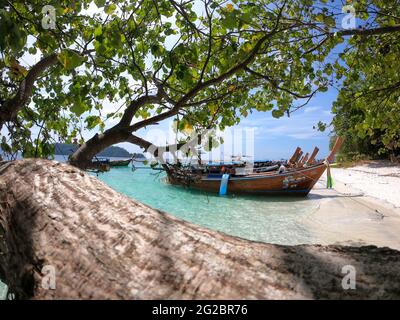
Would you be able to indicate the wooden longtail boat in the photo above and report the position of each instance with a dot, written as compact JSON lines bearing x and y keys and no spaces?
{"x":99,"y":165}
{"x":295,"y":181}
{"x":104,"y":164}
{"x":119,"y":163}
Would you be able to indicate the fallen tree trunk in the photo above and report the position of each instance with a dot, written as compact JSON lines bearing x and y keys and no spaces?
{"x":105,"y":245}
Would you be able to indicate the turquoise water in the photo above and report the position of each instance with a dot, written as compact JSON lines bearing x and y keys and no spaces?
{"x":267,"y":219}
{"x":3,"y":291}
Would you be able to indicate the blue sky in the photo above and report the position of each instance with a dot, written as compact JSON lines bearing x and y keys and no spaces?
{"x":278,"y":138}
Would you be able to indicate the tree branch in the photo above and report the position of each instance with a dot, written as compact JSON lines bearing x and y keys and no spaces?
{"x":134,"y":106}
{"x":157,"y":151}
{"x":273,"y":82}
{"x":203,"y":85}
{"x":370,"y":32}
{"x":209,"y":18}
{"x":10,"y":108}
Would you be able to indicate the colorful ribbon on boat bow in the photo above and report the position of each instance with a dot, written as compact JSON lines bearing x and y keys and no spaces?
{"x":329,"y":179}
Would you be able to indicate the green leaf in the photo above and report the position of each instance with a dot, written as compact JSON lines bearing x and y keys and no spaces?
{"x":330,"y":21}
{"x":98,"y":31}
{"x":93,"y":121}
{"x":320,"y":17}
{"x":79,"y":107}
{"x":277,"y":113}
{"x":110,"y":8}
{"x":70,"y":59}
{"x":32,"y":50}
{"x":100,"y":3}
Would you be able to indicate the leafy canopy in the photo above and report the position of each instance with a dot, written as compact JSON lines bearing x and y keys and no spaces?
{"x":367,"y":109}
{"x":208,"y":62}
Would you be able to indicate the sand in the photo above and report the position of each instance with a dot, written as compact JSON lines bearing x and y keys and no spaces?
{"x":378,"y":179}
{"x":362,"y":209}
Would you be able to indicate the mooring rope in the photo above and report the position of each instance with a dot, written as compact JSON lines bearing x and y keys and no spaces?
{"x":352,"y":197}
{"x":330,"y":183}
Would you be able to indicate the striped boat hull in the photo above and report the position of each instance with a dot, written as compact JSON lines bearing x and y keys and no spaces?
{"x":297,"y":182}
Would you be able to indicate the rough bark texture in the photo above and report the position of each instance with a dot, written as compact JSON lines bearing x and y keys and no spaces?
{"x":105,"y":245}
{"x":82,"y":157}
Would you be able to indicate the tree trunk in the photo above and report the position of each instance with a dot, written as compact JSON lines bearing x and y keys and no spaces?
{"x":104,"y":245}
{"x":85,"y":153}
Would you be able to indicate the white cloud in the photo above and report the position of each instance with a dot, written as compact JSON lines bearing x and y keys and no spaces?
{"x":311,"y":109}
{"x":300,"y":125}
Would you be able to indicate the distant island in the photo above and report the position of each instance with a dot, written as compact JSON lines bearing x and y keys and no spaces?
{"x":66,"y":149}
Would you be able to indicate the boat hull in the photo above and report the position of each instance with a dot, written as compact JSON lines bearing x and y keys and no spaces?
{"x":294,"y":183}
{"x":119,"y":163}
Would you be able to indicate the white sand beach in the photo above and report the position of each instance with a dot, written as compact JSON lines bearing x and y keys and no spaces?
{"x":362,"y":209}
{"x":378,"y":179}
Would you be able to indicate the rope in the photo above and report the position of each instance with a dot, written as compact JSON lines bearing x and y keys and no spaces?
{"x":326,"y":162}
{"x":329,"y":179}
{"x":351,"y":197}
